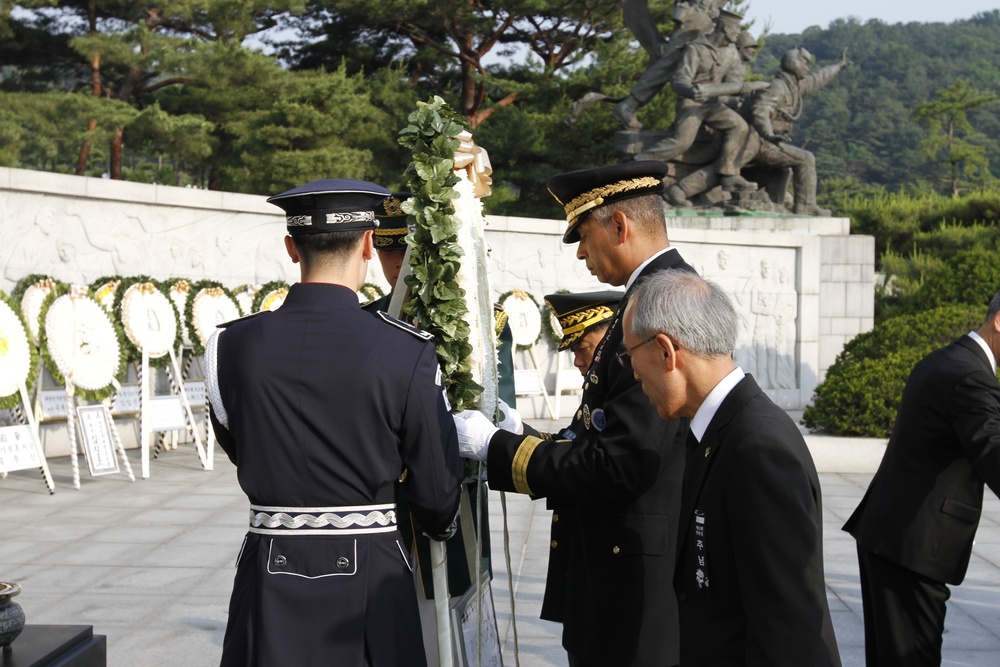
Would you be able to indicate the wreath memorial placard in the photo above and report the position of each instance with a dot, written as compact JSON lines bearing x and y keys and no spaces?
{"x":83,"y":350}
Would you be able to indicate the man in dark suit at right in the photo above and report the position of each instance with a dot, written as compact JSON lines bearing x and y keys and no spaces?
{"x":916,"y":523}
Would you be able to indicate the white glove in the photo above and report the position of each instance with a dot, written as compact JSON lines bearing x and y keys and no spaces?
{"x":511,"y":419}
{"x":474,"y":433}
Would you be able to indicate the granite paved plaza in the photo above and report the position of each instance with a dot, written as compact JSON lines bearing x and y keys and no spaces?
{"x":150,"y":563}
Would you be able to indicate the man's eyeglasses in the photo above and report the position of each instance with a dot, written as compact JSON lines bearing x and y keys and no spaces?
{"x":624,"y":355}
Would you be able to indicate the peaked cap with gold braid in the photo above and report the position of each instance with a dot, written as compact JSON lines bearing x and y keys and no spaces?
{"x":579,"y":313}
{"x":582,"y":191}
{"x":393,"y":227}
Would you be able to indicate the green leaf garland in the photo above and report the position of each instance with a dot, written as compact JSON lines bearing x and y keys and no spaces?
{"x":437,"y":303}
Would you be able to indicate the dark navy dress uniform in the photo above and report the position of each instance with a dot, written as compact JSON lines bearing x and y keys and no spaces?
{"x":617,"y":486}
{"x":323,"y":408}
{"x":577,"y":314}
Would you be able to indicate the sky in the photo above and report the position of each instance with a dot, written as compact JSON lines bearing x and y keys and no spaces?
{"x":794,"y":16}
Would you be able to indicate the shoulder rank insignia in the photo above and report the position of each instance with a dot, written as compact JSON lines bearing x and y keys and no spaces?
{"x":408,"y":328}
{"x":226,"y":325}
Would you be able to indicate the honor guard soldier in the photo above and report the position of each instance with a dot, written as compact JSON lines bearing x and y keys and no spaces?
{"x":325,"y":411}
{"x":618,"y":482}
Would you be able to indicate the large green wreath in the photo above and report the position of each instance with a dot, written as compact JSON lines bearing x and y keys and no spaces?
{"x":437,"y":303}
{"x":12,"y":400}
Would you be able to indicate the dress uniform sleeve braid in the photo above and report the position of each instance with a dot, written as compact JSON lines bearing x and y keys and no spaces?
{"x":212,"y":379}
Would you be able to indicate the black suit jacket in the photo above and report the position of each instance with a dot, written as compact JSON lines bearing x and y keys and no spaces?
{"x":617,"y":484}
{"x":922,"y":508}
{"x":750,"y":566}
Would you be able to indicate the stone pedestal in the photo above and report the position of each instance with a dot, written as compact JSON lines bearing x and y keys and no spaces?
{"x":62,"y":645}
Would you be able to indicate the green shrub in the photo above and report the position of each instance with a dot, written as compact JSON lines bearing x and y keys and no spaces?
{"x":862,"y":389}
{"x":940,"y":273}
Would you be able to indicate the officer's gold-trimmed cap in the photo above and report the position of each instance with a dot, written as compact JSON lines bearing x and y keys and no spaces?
{"x":582,"y":191}
{"x":579,"y":313}
{"x":392,"y":227}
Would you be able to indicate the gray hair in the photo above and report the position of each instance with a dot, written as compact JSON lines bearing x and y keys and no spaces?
{"x":693,"y":311}
{"x":645,"y":211}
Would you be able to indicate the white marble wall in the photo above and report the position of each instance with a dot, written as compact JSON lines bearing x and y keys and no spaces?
{"x":804,"y":286}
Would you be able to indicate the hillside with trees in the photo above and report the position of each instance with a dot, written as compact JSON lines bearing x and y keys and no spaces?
{"x":257,"y":95}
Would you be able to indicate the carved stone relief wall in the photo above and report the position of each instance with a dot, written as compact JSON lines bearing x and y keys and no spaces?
{"x":802,"y":288}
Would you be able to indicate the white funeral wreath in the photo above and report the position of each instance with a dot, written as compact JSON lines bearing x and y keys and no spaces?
{"x":81,"y":341}
{"x":211,"y":307}
{"x":180,"y":290}
{"x":149,"y":319}
{"x":31,"y":305}
{"x":524,"y":317}
{"x":105,"y":294}
{"x":244,"y":297}
{"x":274,"y":299}
{"x":15,"y":352}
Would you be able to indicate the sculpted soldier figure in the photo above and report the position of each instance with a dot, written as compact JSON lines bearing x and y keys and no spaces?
{"x":328,"y":413}
{"x":772,"y":113}
{"x":768,"y":153}
{"x":692,"y":19}
{"x":711,"y":71}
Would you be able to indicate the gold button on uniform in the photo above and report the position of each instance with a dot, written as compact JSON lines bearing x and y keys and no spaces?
{"x":615,"y":550}
{"x":554,"y":544}
{"x":555,"y":517}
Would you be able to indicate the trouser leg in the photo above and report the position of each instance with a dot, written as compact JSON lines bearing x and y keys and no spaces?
{"x":903,"y":613}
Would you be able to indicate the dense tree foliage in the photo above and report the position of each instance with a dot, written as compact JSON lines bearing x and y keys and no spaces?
{"x":253,"y":95}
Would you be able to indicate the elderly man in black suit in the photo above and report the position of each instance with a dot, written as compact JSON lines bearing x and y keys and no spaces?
{"x":617,"y":480}
{"x":916,"y":523}
{"x":749,"y":577}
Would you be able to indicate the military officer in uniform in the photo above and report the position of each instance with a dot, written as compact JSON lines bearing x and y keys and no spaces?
{"x":325,"y":411}
{"x":390,"y":245}
{"x":619,"y":479}
{"x":583,"y":318}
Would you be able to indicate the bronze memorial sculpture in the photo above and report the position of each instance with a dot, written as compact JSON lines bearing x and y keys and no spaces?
{"x":729,"y":146}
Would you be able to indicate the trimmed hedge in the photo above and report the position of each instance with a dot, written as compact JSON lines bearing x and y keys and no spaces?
{"x":863,"y":387}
